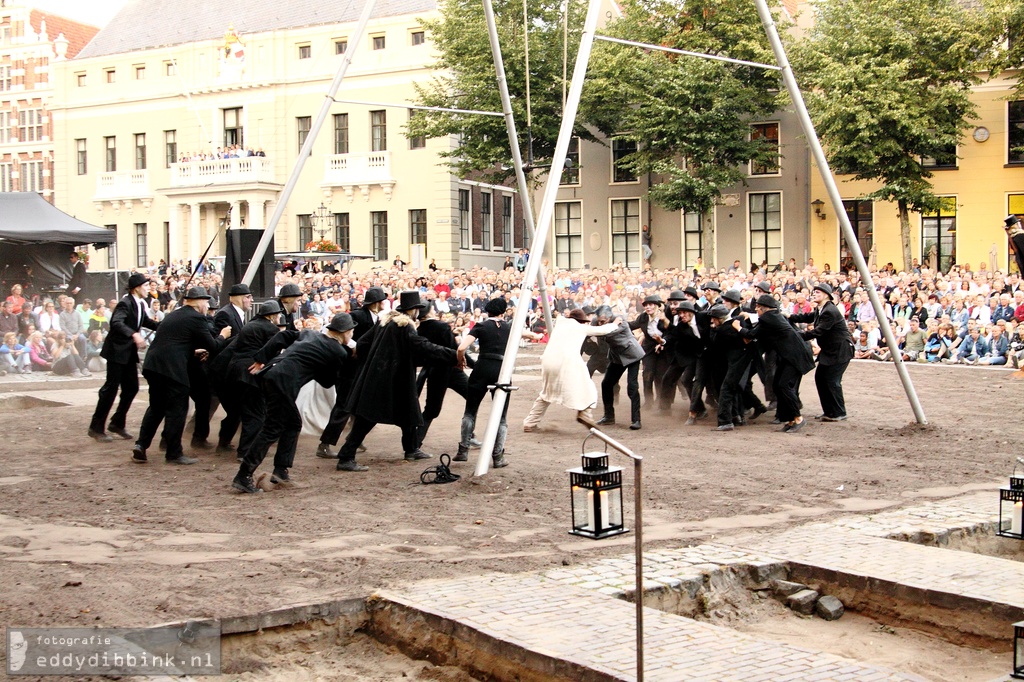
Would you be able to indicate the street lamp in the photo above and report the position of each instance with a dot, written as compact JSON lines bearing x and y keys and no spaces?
{"x":320,"y":220}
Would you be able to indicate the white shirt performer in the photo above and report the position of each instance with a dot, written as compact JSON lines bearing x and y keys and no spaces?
{"x":564,"y":375}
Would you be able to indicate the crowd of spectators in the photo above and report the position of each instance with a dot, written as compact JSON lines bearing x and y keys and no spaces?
{"x":234,"y":151}
{"x":962,"y":316}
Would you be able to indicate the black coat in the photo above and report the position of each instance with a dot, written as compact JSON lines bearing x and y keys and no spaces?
{"x":681,"y":344}
{"x":831,"y":332}
{"x":308,"y":356}
{"x":119,"y":346}
{"x":385,"y":389}
{"x":232,"y":364}
{"x":649,"y":344}
{"x":77,"y":281}
{"x":227,"y":316}
{"x":364,"y":322}
{"x":774,"y":332}
{"x":182,"y":332}
{"x":440,"y":334}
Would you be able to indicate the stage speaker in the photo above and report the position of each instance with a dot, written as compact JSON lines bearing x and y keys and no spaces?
{"x":241,"y":245}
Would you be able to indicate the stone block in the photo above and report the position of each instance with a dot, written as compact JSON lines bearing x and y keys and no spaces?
{"x":784,"y":588}
{"x":803,"y":601}
{"x":829,"y":608}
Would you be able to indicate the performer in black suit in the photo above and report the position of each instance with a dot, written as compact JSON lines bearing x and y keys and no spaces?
{"x":184,"y":331}
{"x":836,"y":344}
{"x":231,"y":315}
{"x":438,"y":378}
{"x":77,"y":283}
{"x":364,"y":318}
{"x":310,"y":356}
{"x":290,"y":298}
{"x":652,"y":323}
{"x":121,"y":351}
{"x":685,"y":339}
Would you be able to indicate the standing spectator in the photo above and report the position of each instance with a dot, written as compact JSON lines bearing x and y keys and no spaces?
{"x":78,"y":282}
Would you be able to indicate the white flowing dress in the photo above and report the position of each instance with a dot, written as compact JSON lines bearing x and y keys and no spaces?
{"x":564,"y":375}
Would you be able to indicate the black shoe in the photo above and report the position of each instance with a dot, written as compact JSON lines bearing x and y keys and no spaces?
{"x":819,"y":417}
{"x":244,"y":484}
{"x":772,"y":404}
{"x":776,"y":421}
{"x":794,"y":427}
{"x":181,"y":459}
{"x":758,"y":411}
{"x":498,"y":461}
{"x":100,"y":437}
{"x":462,"y":455}
{"x":225,"y":448}
{"x":281,"y":479}
{"x":416,"y":455}
{"x":701,"y":415}
{"x":605,"y":421}
{"x":840,"y":418}
{"x":323,"y":451}
{"x":201,"y":444}
{"x":350,"y":465}
{"x":635,"y":426}
{"x":690,"y":421}
{"x":725,"y":427}
{"x":360,"y":448}
{"x":139,"y":454}
{"x":121,"y":433}
{"x":739,"y":421}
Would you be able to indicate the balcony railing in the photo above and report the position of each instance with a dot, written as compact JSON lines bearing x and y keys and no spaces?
{"x":222,"y":172}
{"x":358,"y":168}
{"x":123,"y":185}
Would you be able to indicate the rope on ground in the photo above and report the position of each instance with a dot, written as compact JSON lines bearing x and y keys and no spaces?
{"x":442,"y":473}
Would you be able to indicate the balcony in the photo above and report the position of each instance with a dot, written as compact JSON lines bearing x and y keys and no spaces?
{"x":122,"y":189}
{"x":360,"y":169}
{"x":222,"y":172}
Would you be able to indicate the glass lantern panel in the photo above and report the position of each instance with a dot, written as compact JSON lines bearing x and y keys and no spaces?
{"x":582,"y":512}
{"x":1018,"y":649}
{"x":614,"y":501}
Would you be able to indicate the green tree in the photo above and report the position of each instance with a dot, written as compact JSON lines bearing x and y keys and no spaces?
{"x":888,"y":83}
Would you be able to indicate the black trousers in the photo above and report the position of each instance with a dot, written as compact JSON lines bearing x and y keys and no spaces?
{"x":282,"y":425}
{"x":168,"y":402}
{"x":731,"y":389}
{"x":787,"y":391}
{"x":828,"y":379}
{"x":201,"y":395}
{"x":252,"y":411}
{"x":231,"y":401}
{"x":361,"y":426}
{"x":119,"y":376}
{"x":611,"y":380}
{"x":654,"y":365}
{"x":337,"y":421}
{"x":766,"y":372}
{"x":705,"y":378}
{"x":680,"y":372}
{"x":1018,"y":254}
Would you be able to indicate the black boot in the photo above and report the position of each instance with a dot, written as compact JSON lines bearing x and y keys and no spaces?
{"x":462,"y":455}
{"x":498,"y":460}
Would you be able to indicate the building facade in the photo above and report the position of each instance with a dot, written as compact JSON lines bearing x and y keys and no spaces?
{"x":31,"y":43}
{"x":178,"y":122}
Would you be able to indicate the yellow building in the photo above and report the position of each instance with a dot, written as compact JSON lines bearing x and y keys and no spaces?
{"x":981,"y":186}
{"x":144,"y":115}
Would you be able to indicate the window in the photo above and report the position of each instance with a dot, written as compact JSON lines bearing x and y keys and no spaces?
{"x":693,"y":238}
{"x":82,"y":158}
{"x":140,"y":72}
{"x":862,"y":220}
{"x":140,"y":151}
{"x":464,"y":225}
{"x":938,"y":233}
{"x":1015,"y":133}
{"x":111,"y":75}
{"x":506,"y":223}
{"x":80,"y":79}
{"x":379,"y":131}
{"x":233,"y":133}
{"x":769,"y":132}
{"x":486,"y":221}
{"x":140,"y":245}
{"x":5,"y":126}
{"x":765,"y":227}
{"x":568,"y":235}
{"x":170,"y":147}
{"x":418,"y":141}
{"x":417,"y":38}
{"x":6,"y":177}
{"x":571,"y":173}
{"x":30,"y":125}
{"x":621,"y":149}
{"x":5,"y":77}
{"x":379,"y":221}
{"x":944,"y":160}
{"x":418,"y":226}
{"x":341,"y":133}
{"x":305,"y":51}
{"x":110,"y":147}
{"x":31,"y":173}
{"x":626,"y":232}
{"x":111,"y":250}
{"x":342,"y":236}
{"x":340,"y":46}
{"x":303,"y":123}
{"x":305,"y":224}
{"x":170,"y":69}
{"x":378,"y":42}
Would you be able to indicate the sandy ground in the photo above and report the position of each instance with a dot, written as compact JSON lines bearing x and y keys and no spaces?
{"x":89,"y":538}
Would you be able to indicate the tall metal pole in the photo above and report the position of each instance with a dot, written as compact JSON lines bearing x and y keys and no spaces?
{"x":543,"y":227}
{"x":837,"y":202}
{"x":517,"y":157}
{"x":282,"y":203}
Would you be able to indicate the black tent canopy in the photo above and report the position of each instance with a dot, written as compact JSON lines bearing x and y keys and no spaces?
{"x":27,"y":218}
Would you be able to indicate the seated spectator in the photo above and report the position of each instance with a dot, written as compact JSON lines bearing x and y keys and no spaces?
{"x":16,"y":299}
{"x":27,"y":323}
{"x":14,"y":357}
{"x":998,"y":346}
{"x":1016,"y":352}
{"x":8,"y":320}
{"x":938,"y":344}
{"x":99,"y":318}
{"x":973,"y":347}
{"x":66,"y":359}
{"x":49,"y":318}
{"x":93,"y":346}
{"x":912,"y":341}
{"x":42,"y":360}
{"x":862,"y":348}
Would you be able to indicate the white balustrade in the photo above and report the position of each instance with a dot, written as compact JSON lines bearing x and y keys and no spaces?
{"x":222,"y":172}
{"x":358,"y":168}
{"x":123,"y":185}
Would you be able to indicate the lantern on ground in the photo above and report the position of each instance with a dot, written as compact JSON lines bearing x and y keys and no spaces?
{"x":1011,"y":507}
{"x":1018,"y":651}
{"x":596,"y":498}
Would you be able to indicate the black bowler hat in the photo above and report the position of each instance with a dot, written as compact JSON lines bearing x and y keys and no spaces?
{"x":653,"y":298}
{"x":341,"y":322}
{"x":239,"y":290}
{"x":408,"y":301}
{"x":496,"y":307}
{"x":374,"y":295}
{"x":268,"y":308}
{"x":690,"y":291}
{"x":713,"y":286}
{"x":686,"y":306}
{"x":822,"y":287}
{"x":1011,"y":220}
{"x":137,"y":279}
{"x":719,"y":311}
{"x":290,"y":290}
{"x":767,"y":301}
{"x":195,"y":293}
{"x":677,"y":295}
{"x":765,"y":286}
{"x":733,"y":296}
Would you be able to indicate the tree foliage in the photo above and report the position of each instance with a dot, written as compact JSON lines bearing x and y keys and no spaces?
{"x":888,"y":83}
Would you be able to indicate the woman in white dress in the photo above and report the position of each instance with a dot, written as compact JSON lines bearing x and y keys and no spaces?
{"x":564,"y":376}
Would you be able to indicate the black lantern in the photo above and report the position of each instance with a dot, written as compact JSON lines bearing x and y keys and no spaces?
{"x":596,"y":498}
{"x":1011,"y":508}
{"x":1018,"y":651}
